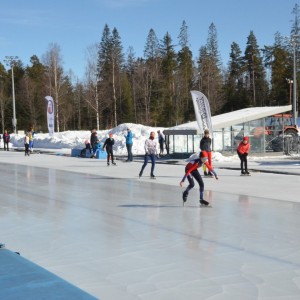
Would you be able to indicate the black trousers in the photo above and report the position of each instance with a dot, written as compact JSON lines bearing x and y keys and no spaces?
{"x":129,"y":151}
{"x":110,"y":154}
{"x":195,"y":174}
{"x":6,"y":146}
{"x":243,"y":159}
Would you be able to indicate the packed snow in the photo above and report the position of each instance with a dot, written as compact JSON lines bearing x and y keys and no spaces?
{"x":63,"y":142}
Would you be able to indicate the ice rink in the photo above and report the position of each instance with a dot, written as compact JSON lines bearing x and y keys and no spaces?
{"x":120,"y":237}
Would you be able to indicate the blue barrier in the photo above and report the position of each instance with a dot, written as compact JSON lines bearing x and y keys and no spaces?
{"x":22,"y":279}
{"x":100,"y":154}
{"x":75,"y":152}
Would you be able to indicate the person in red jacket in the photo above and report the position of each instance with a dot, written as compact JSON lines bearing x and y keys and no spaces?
{"x":242,"y":151}
{"x":191,"y":171}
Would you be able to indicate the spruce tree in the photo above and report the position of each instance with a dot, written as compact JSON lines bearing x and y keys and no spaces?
{"x":169,"y":64}
{"x":209,"y":69}
{"x":184,"y":78}
{"x":233,"y":88}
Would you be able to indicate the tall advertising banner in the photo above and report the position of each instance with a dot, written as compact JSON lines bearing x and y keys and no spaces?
{"x":202,"y":111}
{"x":50,"y":114}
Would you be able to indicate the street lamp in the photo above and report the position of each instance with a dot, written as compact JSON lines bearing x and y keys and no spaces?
{"x":10,"y":60}
{"x":294,"y":80}
{"x":290,"y":82}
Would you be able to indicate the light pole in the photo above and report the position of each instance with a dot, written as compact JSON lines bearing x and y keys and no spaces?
{"x":294,"y":80}
{"x":290,"y":82}
{"x":10,"y":60}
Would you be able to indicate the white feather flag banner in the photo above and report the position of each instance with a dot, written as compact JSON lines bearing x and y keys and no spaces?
{"x":50,"y":114}
{"x":202,"y":111}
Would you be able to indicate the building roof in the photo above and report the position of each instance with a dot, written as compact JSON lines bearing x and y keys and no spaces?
{"x":229,"y":119}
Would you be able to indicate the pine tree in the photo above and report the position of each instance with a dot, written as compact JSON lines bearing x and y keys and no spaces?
{"x":169,"y":64}
{"x":278,"y":60}
{"x":184,"y":78}
{"x":35,"y":87}
{"x":256,"y":82}
{"x":233,"y":87}
{"x":209,"y":69}
{"x":151,"y":79}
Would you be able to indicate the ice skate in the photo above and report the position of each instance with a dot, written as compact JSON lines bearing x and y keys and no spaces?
{"x":203,"y":202}
{"x":184,"y":196}
{"x":152,"y":177}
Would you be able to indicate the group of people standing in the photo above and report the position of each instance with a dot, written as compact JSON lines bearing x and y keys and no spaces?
{"x":204,"y":158}
{"x":28,"y":140}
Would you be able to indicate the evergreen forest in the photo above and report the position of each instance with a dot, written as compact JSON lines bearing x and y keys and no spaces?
{"x":152,"y":90}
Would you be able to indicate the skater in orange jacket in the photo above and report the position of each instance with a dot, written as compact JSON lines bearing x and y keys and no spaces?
{"x":191,"y":171}
{"x":242,"y":151}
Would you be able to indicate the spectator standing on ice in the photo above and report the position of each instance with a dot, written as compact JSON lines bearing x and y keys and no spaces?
{"x":161,"y":141}
{"x":26,"y":144}
{"x":242,"y":151}
{"x":205,"y":146}
{"x":6,"y":139}
{"x":93,"y":138}
{"x":128,"y":138}
{"x":31,"y":137}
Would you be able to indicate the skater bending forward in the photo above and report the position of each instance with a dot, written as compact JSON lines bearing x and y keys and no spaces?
{"x":242,"y":151}
{"x":191,"y":173}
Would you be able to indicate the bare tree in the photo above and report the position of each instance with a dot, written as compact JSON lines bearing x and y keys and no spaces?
{"x":52,"y":59}
{"x":92,"y":80}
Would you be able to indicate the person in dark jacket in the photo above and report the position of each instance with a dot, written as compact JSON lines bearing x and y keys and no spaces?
{"x":161,"y":141}
{"x":6,"y":139}
{"x":205,"y":145}
{"x":108,"y":145}
{"x":191,"y":173}
{"x":93,"y":138}
{"x":242,"y":151}
{"x":128,"y":138}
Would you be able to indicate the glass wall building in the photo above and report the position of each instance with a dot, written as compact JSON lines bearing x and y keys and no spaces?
{"x":270,"y":129}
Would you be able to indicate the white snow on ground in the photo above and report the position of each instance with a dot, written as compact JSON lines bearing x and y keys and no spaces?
{"x":63,"y":142}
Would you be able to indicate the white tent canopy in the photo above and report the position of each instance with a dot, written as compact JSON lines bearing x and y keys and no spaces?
{"x":229,"y":119}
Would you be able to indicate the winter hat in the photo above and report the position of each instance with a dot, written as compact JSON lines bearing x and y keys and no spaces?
{"x":206,"y":131}
{"x":246,"y":139}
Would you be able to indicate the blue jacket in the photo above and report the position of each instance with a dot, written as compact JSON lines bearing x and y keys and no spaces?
{"x":128,"y":137}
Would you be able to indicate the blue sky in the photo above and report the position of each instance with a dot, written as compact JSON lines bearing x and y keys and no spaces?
{"x":28,"y":27}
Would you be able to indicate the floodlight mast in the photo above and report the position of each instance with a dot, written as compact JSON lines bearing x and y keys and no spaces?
{"x":295,"y":114}
{"x":10,"y":60}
